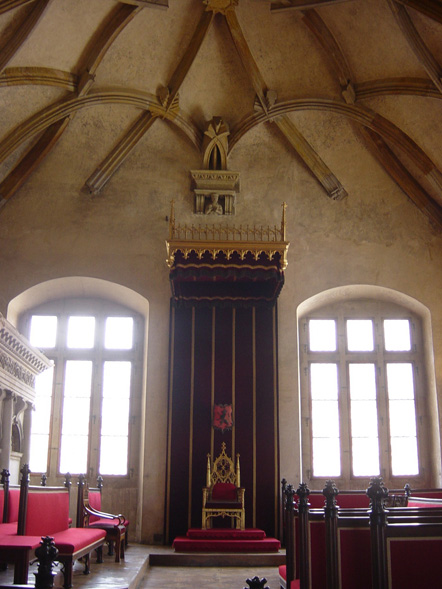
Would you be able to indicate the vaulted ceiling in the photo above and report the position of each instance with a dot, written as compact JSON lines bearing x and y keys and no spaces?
{"x":291,"y":64}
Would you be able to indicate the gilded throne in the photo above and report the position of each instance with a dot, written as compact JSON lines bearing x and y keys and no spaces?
{"x":223,"y":496}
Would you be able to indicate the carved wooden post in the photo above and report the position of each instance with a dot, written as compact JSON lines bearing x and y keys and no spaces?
{"x":256,"y":583}
{"x":377,"y":492}
{"x":289,"y":535}
{"x":304,"y":579}
{"x":68,"y":481}
{"x":331,"y":534}
{"x":23,"y":503}
{"x":5,"y":482}
{"x":80,"y":501}
{"x":46,"y":554}
{"x":282,"y":513}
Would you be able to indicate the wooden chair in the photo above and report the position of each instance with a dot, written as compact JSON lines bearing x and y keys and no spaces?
{"x":223,"y":496}
{"x":89,"y":517}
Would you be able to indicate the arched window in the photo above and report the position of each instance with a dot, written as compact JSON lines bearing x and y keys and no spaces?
{"x":366,"y":402}
{"x":88,"y":408}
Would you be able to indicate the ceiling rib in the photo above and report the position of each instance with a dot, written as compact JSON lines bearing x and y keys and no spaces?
{"x":12,"y":43}
{"x":106,"y":34}
{"x":430,"y":8}
{"x":116,"y":157}
{"x":18,"y":176}
{"x":39,"y":121}
{"x":391,"y":86}
{"x":280,"y":5}
{"x":389,"y":161}
{"x":6,"y":5}
{"x":117,"y":20}
{"x":433,"y":69}
{"x":303,"y":149}
{"x":107,"y":168}
{"x":402,"y":176}
{"x":19,"y":76}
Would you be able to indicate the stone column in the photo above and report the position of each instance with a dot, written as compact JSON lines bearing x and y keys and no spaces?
{"x":5,"y":442}
{"x":27,"y":421}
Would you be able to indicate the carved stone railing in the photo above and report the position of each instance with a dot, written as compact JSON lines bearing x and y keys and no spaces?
{"x":216,"y":238}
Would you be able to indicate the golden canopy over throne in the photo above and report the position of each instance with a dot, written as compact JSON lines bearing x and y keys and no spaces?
{"x":223,"y":496}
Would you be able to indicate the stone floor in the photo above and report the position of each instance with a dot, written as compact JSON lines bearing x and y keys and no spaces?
{"x":135,"y":573}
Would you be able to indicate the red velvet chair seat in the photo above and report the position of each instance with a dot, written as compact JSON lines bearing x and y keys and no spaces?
{"x":77,"y":539}
{"x":223,"y":505}
{"x":105,"y":523}
{"x":8,"y":529}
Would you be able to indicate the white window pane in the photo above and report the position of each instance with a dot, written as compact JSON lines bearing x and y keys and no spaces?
{"x":326,"y":457}
{"x":113,"y":456}
{"x":322,"y":335}
{"x":400,"y":381}
{"x":365,"y":453}
{"x":75,"y":416}
{"x":43,"y":333}
{"x":81,"y":332}
{"x":325,"y":419}
{"x":73,"y":454}
{"x":116,"y":379}
{"x":362,"y":381}
{"x":41,"y":416}
{"x":43,"y":383}
{"x":404,"y":460}
{"x":360,"y":335}
{"x":402,"y":418}
{"x":364,"y":419}
{"x":119,"y":333}
{"x":38,"y":461}
{"x":115,"y":417}
{"x":397,"y":335}
{"x":324,"y":381}
{"x":78,"y":378}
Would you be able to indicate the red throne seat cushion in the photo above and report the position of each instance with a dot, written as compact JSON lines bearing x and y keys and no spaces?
{"x":224,"y":492}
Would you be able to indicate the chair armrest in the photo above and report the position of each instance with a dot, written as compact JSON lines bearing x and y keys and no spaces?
{"x":91,"y":511}
{"x":206,"y":494}
{"x":240,"y":494}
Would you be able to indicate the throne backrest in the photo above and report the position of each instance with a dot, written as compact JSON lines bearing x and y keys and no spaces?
{"x":223,"y":470}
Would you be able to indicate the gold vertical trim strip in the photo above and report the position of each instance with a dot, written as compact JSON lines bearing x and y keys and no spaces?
{"x":192,"y":391}
{"x":254,"y":411}
{"x":169,"y":424}
{"x":275,"y":416}
{"x":233,"y":380}
{"x":212,"y":382}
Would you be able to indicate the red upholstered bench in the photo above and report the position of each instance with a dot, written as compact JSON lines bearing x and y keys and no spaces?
{"x":48,"y":515}
{"x":44,"y":511}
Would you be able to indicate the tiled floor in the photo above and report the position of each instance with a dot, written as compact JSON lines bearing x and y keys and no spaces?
{"x":135,"y":573}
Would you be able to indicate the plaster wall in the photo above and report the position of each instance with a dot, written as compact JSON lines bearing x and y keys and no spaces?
{"x":375,"y":236}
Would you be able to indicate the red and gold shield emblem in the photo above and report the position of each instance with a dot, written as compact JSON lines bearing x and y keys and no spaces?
{"x":223,"y":417}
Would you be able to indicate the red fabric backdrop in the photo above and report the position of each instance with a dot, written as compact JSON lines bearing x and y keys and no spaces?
{"x":236,"y":349}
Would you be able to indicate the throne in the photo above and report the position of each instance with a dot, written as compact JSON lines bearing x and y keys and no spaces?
{"x":222,"y":495}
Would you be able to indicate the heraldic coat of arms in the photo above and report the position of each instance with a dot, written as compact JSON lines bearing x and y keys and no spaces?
{"x":223,"y":417}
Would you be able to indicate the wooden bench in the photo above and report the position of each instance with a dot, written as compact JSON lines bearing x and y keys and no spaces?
{"x":367,"y":548}
{"x":44,"y":511}
{"x":89,"y":517}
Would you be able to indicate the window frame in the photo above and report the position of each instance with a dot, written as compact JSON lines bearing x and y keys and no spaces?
{"x":100,"y":309}
{"x":377,"y":311}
